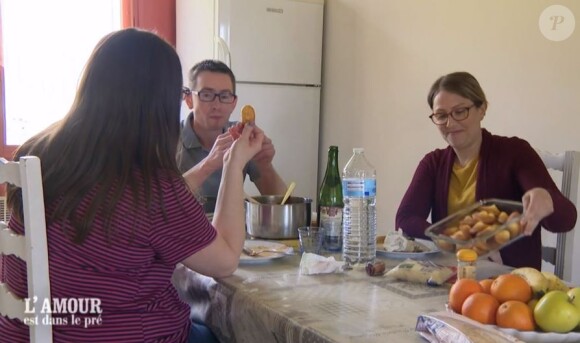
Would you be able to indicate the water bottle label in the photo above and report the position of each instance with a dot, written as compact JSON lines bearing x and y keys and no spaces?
{"x":331,"y":220}
{"x":359,"y":187}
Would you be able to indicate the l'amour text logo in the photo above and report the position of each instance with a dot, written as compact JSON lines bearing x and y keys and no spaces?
{"x":63,"y":311}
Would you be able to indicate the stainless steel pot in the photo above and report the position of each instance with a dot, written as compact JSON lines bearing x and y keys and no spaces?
{"x":270,"y":220}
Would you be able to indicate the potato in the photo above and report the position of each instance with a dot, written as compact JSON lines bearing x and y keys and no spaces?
{"x":491,"y":209}
{"x":502,"y":237}
{"x":489,"y":219}
{"x":450,"y":230}
{"x":468,"y":220}
{"x":460,"y":236}
{"x":479,"y":214}
{"x":465,"y":229}
{"x":486,"y":231}
{"x":479,"y":226}
{"x":502,"y":217}
{"x":515,"y":229}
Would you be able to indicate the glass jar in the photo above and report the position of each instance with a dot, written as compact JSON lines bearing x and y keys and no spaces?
{"x":466,"y":264}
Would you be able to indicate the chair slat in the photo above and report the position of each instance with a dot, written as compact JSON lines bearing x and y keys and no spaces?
{"x":10,"y":172}
{"x":12,"y":243}
{"x":11,"y":305}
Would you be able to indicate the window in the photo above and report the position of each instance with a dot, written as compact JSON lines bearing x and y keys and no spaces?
{"x":45,"y":46}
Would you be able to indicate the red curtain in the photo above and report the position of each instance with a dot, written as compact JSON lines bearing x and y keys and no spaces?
{"x":157,"y":16}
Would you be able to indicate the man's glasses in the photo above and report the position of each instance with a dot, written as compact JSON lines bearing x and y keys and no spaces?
{"x":458,"y":114}
{"x":206,"y":95}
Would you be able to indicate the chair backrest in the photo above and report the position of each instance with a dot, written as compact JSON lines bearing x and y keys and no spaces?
{"x":31,"y":247}
{"x":569,"y":164}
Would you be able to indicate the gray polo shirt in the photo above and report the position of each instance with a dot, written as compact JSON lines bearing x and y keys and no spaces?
{"x":190,"y":152}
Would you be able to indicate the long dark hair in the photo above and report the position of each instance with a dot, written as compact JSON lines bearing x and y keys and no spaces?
{"x":125,"y":117}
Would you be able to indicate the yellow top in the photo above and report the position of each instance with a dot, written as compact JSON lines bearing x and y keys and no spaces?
{"x":462,"y":186}
{"x":466,"y":255}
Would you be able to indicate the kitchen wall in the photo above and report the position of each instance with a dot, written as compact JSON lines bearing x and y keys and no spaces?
{"x":381,"y":57}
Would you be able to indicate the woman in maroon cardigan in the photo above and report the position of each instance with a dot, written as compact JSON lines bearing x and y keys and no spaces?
{"x":478,"y":165}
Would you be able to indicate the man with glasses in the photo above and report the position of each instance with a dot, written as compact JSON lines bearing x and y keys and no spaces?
{"x":205,"y":136}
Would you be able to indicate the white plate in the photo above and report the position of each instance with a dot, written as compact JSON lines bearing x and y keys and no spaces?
{"x":415,"y":255}
{"x":263,"y":257}
{"x":542,"y":337}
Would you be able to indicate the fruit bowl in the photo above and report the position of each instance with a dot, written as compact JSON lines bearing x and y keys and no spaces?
{"x":486,"y":226}
{"x":528,"y":336}
{"x":542,"y":337}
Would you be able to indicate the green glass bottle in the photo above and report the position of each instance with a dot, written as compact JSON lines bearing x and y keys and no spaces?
{"x":329,"y":210}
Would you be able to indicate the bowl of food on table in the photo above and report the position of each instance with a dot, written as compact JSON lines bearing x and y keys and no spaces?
{"x":485,"y":226}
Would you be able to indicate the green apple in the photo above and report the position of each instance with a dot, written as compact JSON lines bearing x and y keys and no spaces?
{"x":555,"y":312}
{"x":574,"y":294}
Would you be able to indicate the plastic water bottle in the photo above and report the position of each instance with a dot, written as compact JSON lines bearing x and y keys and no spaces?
{"x":359,"y":228}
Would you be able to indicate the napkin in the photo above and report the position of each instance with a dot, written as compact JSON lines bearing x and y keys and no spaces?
{"x":396,"y":241}
{"x":316,"y":264}
{"x":443,"y":327}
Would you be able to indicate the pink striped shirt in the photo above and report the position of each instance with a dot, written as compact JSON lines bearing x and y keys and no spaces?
{"x":131,"y":275}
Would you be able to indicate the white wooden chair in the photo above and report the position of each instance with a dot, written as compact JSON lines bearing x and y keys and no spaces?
{"x":568,"y":163}
{"x":31,"y":247}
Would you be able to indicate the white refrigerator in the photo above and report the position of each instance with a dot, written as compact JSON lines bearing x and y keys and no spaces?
{"x":274,"y":47}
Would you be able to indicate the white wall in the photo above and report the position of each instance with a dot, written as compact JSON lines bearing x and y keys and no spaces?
{"x":381,"y":57}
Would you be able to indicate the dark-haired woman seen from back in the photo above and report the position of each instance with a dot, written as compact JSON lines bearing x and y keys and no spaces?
{"x":119,"y":214}
{"x":478,"y":165}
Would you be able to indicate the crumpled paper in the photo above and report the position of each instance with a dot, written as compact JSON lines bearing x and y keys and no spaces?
{"x":316,"y":264}
{"x":444,"y":327}
{"x":396,"y":241}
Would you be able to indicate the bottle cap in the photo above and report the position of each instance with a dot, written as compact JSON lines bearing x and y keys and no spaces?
{"x":466,"y":255}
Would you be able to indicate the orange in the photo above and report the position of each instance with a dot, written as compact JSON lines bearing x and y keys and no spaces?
{"x":480,"y":307}
{"x":460,"y":290}
{"x":486,"y":285}
{"x":511,"y":287}
{"x":515,"y":314}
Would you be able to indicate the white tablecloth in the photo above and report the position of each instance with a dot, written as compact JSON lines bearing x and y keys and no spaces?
{"x":272,"y":302}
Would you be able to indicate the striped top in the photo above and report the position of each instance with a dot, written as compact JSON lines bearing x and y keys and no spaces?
{"x":131,"y":275}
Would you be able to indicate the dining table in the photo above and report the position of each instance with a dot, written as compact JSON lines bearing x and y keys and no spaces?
{"x":271,"y":301}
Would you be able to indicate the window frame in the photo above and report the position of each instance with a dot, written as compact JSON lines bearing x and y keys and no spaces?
{"x":158,"y":16}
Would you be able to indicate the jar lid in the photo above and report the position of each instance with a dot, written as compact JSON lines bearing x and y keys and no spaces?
{"x":466,"y":255}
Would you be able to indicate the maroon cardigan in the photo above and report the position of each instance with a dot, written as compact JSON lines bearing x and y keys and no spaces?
{"x":508,"y":167}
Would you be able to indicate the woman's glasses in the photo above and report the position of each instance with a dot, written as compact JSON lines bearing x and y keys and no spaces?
{"x":458,"y":114}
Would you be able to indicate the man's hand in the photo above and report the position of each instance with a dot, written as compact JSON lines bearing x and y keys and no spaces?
{"x":266,"y":153}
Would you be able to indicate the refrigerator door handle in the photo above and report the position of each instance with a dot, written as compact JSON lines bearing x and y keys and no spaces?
{"x":223,"y":46}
